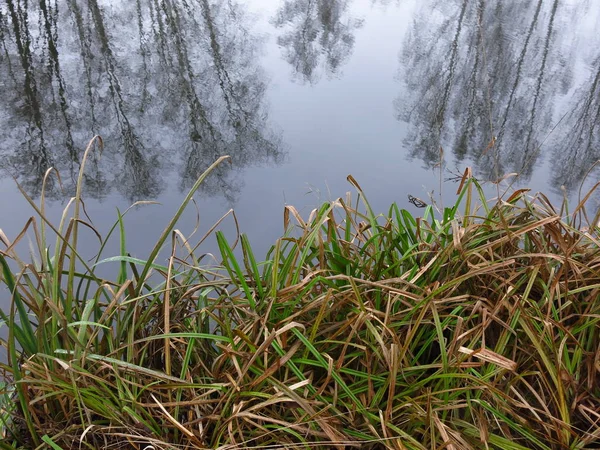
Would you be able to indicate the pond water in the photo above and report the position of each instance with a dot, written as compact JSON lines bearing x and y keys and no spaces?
{"x":300,"y":93}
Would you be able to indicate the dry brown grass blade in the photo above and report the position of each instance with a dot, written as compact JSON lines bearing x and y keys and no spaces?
{"x":491,"y":357}
{"x":443,"y":432}
{"x":173,"y":421}
{"x":289,"y":209}
{"x":491,"y":144}
{"x":4,"y":239}
{"x":467,"y":175}
{"x":260,"y":351}
{"x":9,"y":246}
{"x":328,"y":426}
{"x":517,"y":194}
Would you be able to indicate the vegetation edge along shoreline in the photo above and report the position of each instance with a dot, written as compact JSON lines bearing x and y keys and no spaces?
{"x":471,"y":327}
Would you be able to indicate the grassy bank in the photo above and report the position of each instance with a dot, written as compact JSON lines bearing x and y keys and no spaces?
{"x":473,"y":327}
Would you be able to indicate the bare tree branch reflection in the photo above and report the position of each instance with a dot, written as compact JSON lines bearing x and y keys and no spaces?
{"x":481,"y":81}
{"x":318,"y":36}
{"x":576,"y":151}
{"x":173,"y":92}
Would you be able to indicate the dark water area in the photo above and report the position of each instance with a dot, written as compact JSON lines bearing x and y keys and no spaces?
{"x":300,"y":93}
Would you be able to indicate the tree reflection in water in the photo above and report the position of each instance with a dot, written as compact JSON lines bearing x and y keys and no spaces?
{"x":318,"y":36}
{"x":488,"y":81}
{"x":577,"y":150}
{"x":170,"y":85}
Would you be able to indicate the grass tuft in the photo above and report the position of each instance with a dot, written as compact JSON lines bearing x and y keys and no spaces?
{"x":471,"y":327}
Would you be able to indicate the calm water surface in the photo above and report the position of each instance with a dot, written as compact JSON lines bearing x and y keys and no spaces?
{"x":300,"y":93}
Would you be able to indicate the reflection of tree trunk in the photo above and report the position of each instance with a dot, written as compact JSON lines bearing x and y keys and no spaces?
{"x":576,"y":154}
{"x":224,"y":80}
{"x":190,"y":67}
{"x":6,"y":60}
{"x":187,"y":78}
{"x":160,"y":33}
{"x":441,"y":114}
{"x":137,"y":173}
{"x":304,"y":48}
{"x":468,"y":129}
{"x":529,"y":152}
{"x":589,"y":117}
{"x":55,"y":66}
{"x":143,"y":52}
{"x":203,"y":135}
{"x":318,"y":31}
{"x":86,"y":58}
{"x":23,"y":41}
{"x":519,"y":71}
{"x":115,"y":85}
{"x":36,"y":159}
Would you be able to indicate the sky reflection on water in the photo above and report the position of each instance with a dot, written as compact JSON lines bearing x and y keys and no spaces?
{"x":300,"y":93}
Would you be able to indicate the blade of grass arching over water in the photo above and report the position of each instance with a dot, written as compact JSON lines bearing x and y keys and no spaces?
{"x":134,"y":261}
{"x":119,"y":223}
{"x":54,"y":265}
{"x":74,"y":222}
{"x":50,"y":170}
{"x":165,"y":234}
{"x":370,"y":213}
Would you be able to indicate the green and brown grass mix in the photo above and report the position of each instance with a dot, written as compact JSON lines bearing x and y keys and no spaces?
{"x":472,"y":327}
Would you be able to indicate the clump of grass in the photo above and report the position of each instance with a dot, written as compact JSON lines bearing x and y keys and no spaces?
{"x":472,"y":327}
